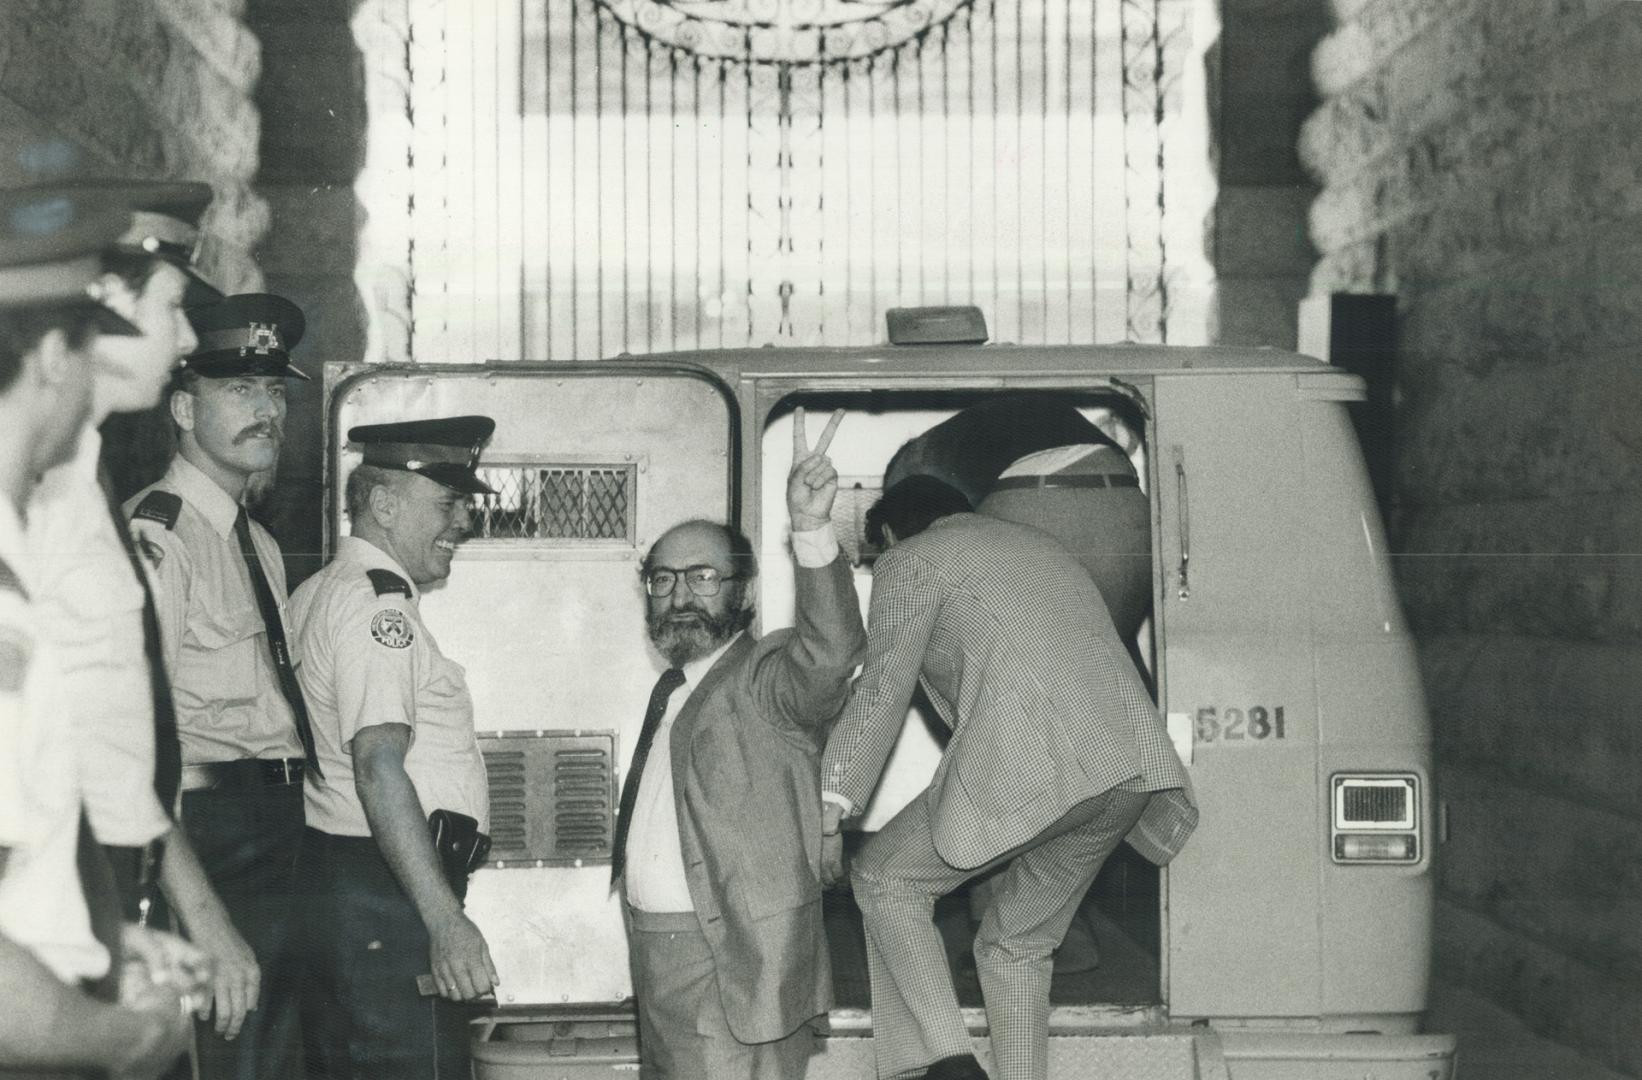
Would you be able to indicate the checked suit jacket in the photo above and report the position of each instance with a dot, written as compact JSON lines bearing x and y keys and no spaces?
{"x":746,"y":751}
{"x":1016,"y":650}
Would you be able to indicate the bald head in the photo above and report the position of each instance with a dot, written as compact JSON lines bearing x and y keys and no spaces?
{"x":700,"y":536}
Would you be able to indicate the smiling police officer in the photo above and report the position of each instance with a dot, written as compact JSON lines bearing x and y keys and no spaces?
{"x":246,"y":743}
{"x":400,"y":816}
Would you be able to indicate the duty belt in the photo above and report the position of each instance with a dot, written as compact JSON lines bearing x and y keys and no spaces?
{"x":244,"y":773}
{"x":1067,"y":480}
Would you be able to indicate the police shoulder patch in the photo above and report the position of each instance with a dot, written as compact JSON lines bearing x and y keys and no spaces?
{"x":386,"y":581}
{"x":161,"y":506}
{"x":391,"y":628}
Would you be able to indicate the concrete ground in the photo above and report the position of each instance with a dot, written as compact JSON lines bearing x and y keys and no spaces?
{"x":1495,"y":1045}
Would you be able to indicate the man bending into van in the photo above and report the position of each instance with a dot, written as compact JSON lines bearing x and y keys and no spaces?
{"x":717,"y":840}
{"x":1056,"y":755}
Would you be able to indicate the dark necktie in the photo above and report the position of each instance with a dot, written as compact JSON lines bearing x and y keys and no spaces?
{"x":276,"y":640}
{"x":670,"y":680}
{"x":167,"y":750}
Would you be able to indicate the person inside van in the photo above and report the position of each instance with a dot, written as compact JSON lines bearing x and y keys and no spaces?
{"x":1057,"y":754}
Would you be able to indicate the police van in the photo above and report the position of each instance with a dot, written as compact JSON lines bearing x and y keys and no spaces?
{"x":1290,"y":939}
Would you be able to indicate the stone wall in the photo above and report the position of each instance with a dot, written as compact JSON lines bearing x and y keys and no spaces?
{"x":1478,"y":160}
{"x":139,"y":88}
{"x":312,"y":101}
{"x":264,"y":100}
{"x":1261,"y":252}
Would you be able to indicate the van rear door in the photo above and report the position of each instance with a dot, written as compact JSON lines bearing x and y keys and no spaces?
{"x":1235,"y":633}
{"x":544,"y":610}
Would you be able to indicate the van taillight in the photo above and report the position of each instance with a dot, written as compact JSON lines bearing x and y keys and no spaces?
{"x":1376,"y":818}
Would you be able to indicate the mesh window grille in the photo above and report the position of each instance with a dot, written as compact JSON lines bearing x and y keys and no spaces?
{"x":556,"y":502}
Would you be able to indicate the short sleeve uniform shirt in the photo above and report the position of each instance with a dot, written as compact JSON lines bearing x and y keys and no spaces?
{"x":90,"y":609}
{"x":368,"y":659}
{"x":42,"y":906}
{"x":229,"y":704}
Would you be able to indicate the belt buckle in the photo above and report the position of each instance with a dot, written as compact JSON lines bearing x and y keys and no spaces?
{"x":288,"y":766}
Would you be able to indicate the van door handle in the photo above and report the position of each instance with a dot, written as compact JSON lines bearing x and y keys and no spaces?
{"x":1183,"y":509}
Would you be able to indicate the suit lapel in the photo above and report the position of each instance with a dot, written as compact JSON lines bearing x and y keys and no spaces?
{"x":684,"y":726}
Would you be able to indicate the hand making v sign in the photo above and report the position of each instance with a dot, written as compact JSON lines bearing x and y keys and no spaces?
{"x":813,"y":482}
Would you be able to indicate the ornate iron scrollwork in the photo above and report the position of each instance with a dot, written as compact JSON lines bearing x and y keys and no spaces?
{"x":783,"y":31}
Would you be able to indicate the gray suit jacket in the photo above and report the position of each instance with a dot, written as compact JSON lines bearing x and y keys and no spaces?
{"x":746,"y":751}
{"x":1016,"y":650}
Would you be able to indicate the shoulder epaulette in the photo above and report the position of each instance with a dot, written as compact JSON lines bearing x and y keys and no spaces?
{"x":161,"y":506}
{"x":386,"y":581}
{"x":10,"y":582}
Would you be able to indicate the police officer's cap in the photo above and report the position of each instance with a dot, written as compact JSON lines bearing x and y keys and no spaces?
{"x":164,"y":222}
{"x":445,"y":450}
{"x":51,"y":244}
{"x":247,"y":334}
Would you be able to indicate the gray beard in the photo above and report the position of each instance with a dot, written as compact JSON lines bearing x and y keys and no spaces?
{"x":684,"y":640}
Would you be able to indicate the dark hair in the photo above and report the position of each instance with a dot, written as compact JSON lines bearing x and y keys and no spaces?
{"x":132,"y":267}
{"x":21,"y":330}
{"x":910,"y":505}
{"x":742,"y":559}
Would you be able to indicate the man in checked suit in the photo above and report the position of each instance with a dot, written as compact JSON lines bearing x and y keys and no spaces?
{"x":1056,"y":755}
{"x":717,"y":844}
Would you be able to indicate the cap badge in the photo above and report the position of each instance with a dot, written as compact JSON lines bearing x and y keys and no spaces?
{"x":264,"y":338}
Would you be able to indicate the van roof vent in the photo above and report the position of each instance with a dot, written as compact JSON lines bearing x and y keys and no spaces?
{"x":957,"y":325}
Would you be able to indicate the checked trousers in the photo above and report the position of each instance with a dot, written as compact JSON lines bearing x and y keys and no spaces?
{"x":897,"y":879}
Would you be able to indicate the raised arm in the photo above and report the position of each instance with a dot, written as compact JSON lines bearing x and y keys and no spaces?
{"x":805,"y":682}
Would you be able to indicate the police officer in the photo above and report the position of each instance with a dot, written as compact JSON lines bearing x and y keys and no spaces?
{"x":394,"y":725}
{"x":93,"y":597}
{"x":246,"y":743}
{"x":56,"y":934}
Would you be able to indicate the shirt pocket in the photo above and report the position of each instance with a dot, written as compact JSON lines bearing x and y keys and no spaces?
{"x":222,"y":662}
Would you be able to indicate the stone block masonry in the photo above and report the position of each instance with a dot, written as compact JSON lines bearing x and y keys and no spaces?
{"x":1478,"y":159}
{"x":142,"y":88}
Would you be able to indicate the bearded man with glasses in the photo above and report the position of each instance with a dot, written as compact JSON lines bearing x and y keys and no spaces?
{"x":717,"y":847}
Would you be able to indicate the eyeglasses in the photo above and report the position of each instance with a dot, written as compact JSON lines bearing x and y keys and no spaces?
{"x":702,"y":580}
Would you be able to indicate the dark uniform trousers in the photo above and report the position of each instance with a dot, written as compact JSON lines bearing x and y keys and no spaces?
{"x":364,"y":1017}
{"x":249,"y":838}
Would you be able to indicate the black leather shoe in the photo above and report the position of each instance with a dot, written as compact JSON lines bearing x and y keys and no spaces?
{"x":957,"y":1067}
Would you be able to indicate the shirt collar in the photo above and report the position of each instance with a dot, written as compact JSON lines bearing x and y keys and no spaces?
{"x":367,"y":556}
{"x":204,"y":495}
{"x":695,"y":670}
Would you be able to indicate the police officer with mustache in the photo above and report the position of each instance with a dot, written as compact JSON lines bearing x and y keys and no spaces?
{"x":219,"y":587}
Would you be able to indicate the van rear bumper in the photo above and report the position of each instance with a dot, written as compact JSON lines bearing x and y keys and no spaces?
{"x":1121,"y":1042}
{"x":1266,"y":1055}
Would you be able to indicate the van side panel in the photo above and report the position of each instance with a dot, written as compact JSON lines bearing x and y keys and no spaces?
{"x":1290,"y":605}
{"x":1371,"y":716}
{"x":1243,"y":937}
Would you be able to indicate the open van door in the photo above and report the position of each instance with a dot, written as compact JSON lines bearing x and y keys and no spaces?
{"x":544,"y":610}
